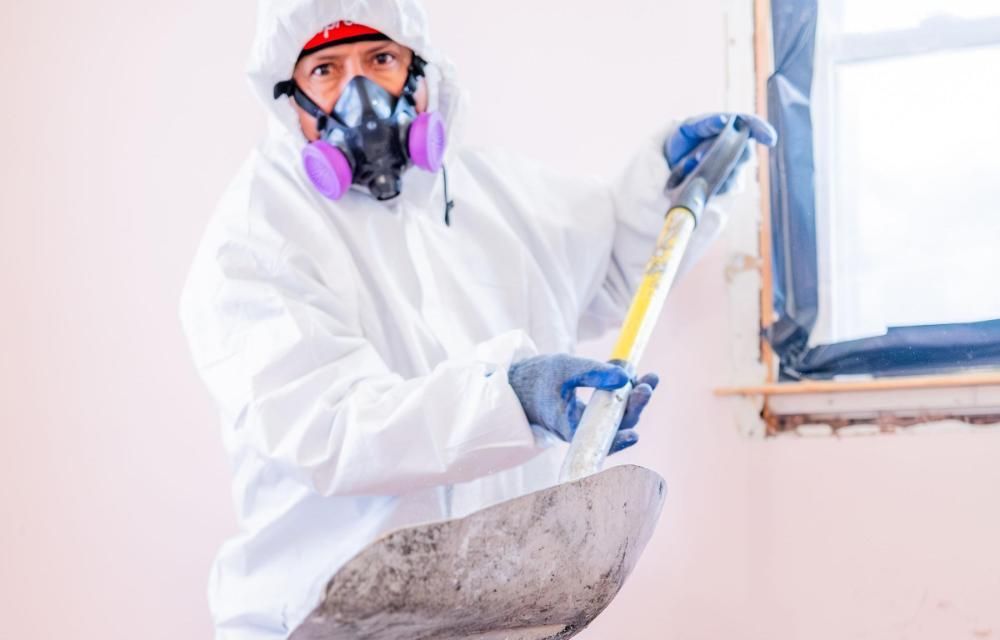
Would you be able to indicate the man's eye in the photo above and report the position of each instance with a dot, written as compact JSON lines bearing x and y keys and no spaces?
{"x":322,"y":70}
{"x":384,"y":58}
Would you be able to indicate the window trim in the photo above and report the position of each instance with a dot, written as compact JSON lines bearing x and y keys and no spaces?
{"x":932,"y":36}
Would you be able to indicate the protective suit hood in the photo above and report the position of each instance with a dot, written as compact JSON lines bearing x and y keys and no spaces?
{"x":285,"y":26}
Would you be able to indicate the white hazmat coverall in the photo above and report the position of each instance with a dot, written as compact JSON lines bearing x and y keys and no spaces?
{"x":358,"y":350}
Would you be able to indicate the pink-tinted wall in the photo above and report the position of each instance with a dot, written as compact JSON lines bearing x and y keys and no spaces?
{"x":122,"y":123}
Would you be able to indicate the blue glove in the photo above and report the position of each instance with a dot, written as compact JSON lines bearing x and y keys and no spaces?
{"x":546,"y":386}
{"x":686,"y":146}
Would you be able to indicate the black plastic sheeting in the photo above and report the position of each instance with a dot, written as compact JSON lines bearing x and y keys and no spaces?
{"x":902,"y":350}
{"x":793,"y":204}
{"x":909,"y":351}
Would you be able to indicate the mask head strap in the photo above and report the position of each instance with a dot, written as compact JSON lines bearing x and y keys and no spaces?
{"x":291,"y":89}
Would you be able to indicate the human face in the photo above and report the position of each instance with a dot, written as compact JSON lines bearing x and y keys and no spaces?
{"x":323,"y":75}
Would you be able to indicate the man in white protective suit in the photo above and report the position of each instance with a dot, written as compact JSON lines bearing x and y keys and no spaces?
{"x":385,"y":319}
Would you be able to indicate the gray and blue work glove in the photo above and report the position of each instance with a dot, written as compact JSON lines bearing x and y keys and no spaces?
{"x":546,"y":386}
{"x":688,"y":144}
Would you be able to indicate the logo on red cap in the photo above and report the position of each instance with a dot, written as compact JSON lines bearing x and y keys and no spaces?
{"x":339,"y":31}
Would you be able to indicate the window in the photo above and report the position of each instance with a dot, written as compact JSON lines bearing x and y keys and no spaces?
{"x":906,"y":128}
{"x":886,"y":186}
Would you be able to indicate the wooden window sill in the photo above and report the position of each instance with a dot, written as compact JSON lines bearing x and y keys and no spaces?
{"x":877,"y":405}
{"x":880,"y":384}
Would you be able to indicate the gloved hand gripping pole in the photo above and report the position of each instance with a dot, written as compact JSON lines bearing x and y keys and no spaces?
{"x":604,"y":412}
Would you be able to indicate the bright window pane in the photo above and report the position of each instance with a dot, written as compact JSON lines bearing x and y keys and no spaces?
{"x":915,"y":236}
{"x":882,"y":15}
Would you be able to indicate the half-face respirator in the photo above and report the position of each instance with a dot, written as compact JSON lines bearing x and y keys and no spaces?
{"x":370,"y":137}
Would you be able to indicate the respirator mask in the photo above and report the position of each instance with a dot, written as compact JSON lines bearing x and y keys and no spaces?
{"x":370,"y":138}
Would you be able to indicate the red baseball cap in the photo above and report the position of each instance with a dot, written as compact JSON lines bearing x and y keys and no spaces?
{"x":342,"y":32}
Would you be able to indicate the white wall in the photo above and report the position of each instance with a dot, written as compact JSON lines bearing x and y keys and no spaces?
{"x":123,"y":122}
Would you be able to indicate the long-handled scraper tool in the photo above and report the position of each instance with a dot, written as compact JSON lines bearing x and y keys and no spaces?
{"x":544,"y":565}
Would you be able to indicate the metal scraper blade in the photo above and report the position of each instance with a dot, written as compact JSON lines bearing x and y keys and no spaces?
{"x":541,"y":566}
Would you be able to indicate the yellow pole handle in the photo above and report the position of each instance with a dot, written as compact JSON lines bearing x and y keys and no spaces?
{"x":661,"y":270}
{"x":604,"y":412}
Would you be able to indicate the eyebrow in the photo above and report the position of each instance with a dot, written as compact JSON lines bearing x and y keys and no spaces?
{"x":331,"y":55}
{"x":380,"y":46}
{"x":327,"y":56}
